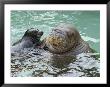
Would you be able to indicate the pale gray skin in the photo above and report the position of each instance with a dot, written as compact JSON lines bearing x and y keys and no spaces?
{"x":72,"y":43}
{"x":30,"y":38}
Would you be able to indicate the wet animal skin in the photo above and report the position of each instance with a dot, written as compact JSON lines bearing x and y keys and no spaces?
{"x":66,"y":38}
{"x":30,"y":38}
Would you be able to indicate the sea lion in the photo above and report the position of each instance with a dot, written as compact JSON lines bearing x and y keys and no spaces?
{"x":30,"y":38}
{"x":65,"y":38}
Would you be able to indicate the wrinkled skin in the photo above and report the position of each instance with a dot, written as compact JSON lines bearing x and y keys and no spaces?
{"x":66,"y":39}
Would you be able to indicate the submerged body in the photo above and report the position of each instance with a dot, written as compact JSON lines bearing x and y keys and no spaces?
{"x":58,"y":61}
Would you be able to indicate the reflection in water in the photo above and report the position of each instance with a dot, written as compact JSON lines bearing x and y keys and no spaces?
{"x":61,"y":61}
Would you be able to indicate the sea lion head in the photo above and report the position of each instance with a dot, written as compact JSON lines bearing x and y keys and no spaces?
{"x":33,"y":34}
{"x":62,"y":38}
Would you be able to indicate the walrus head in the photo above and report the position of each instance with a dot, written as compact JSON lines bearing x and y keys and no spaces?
{"x":33,"y":34}
{"x":62,"y":38}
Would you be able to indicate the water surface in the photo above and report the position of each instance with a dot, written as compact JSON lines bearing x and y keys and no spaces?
{"x":25,"y":63}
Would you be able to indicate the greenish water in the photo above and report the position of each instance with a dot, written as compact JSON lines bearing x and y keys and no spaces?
{"x":26,"y":64}
{"x":87,"y":22}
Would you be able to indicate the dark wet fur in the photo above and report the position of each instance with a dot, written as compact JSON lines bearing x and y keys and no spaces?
{"x":30,"y":38}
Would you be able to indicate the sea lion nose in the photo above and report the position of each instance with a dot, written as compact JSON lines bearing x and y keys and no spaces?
{"x":41,"y":32}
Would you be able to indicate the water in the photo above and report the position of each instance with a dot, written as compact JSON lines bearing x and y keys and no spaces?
{"x":27,"y":64}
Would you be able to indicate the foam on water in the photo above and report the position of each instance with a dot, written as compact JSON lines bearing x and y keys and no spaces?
{"x":40,"y":63}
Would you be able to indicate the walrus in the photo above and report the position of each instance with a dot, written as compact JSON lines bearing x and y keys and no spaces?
{"x":65,"y":38}
{"x":30,"y":38}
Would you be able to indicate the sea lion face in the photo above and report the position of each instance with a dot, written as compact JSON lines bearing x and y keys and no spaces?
{"x":30,"y":38}
{"x":34,"y":34}
{"x":62,"y":39}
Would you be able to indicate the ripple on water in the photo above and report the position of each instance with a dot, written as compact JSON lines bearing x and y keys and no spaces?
{"x":44,"y":64}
